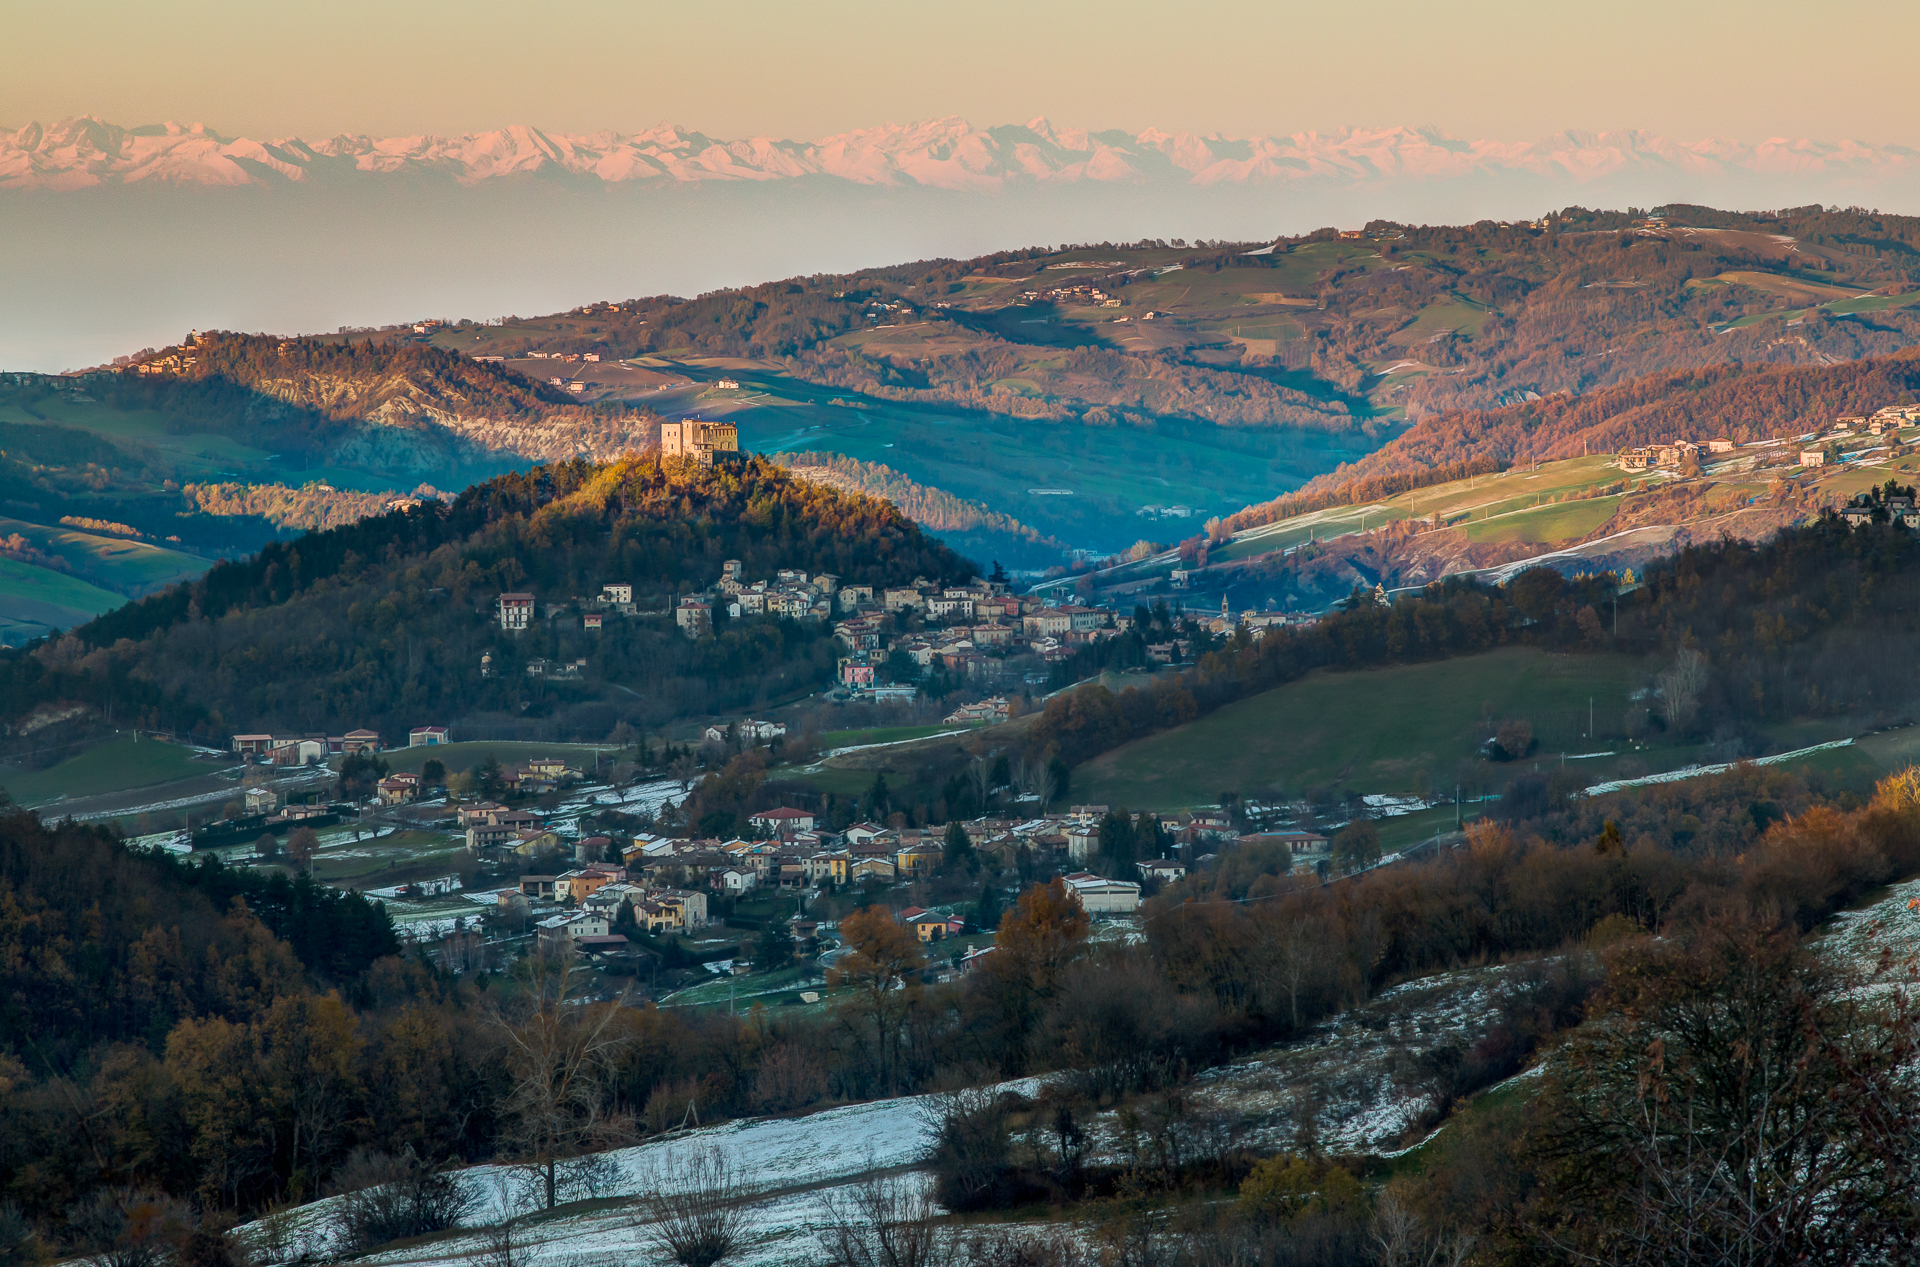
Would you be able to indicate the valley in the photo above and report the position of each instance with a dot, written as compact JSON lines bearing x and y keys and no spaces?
{"x":1198,"y":751}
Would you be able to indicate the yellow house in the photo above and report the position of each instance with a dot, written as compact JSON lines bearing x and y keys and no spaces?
{"x":828,"y":866}
{"x":918,"y":859}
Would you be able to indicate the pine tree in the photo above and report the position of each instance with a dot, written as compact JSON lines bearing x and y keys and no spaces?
{"x":959,"y":846}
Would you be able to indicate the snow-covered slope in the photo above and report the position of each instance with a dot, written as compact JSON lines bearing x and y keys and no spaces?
{"x":948,"y":153}
{"x":798,"y":1167}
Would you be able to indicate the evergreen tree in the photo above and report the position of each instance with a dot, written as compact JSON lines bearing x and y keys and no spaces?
{"x":959,"y":846}
{"x":773,"y":948}
{"x":879,"y":800}
{"x":987,"y":909}
{"x":1118,"y":841}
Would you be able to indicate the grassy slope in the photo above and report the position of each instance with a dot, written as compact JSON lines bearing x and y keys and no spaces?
{"x":830,"y":739}
{"x":43,"y":595}
{"x":464,"y":756}
{"x":136,"y":566}
{"x":111,"y":767}
{"x":1386,"y":730}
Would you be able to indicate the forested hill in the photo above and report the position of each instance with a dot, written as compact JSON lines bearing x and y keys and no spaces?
{"x":382,"y":623}
{"x":318,"y":397}
{"x":1739,"y":402}
{"x":102,"y":944}
{"x":972,"y":527}
{"x":1321,"y":330}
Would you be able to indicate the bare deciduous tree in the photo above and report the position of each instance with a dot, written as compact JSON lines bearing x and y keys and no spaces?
{"x":559,"y":1051}
{"x":1396,"y":1232}
{"x":980,"y":780}
{"x":1680,"y":687}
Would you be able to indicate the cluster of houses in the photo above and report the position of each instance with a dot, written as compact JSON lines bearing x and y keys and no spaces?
{"x":789,"y":592}
{"x":1894,"y":508}
{"x":1670,"y":454}
{"x":1086,"y":295}
{"x":665,"y":883}
{"x":968,"y":630}
{"x":317,"y":749}
{"x":265,"y":803}
{"x":580,"y":907}
{"x":170,"y":361}
{"x":746,"y":733}
{"x":1673,"y":454}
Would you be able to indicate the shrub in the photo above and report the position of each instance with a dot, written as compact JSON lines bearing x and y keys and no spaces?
{"x":694,"y":1212}
{"x":390,"y":1198}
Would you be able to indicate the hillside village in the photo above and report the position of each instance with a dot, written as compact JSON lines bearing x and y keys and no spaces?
{"x":546,"y":869}
{"x":978,"y":633}
{"x":612,"y":896}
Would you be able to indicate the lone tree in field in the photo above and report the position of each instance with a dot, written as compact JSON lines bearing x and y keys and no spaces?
{"x":301,"y":844}
{"x":560,"y":1052}
{"x":1357,"y":846}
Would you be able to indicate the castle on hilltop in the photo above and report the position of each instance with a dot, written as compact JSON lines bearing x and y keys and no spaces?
{"x":703,"y":442}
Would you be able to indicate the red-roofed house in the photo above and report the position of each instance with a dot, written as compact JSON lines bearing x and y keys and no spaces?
{"x":782,"y":822}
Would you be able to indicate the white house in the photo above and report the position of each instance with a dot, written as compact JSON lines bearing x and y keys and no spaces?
{"x":748,"y":731}
{"x":426,"y":736}
{"x":1099,"y":896}
{"x":515,"y":611}
{"x":1083,"y":841}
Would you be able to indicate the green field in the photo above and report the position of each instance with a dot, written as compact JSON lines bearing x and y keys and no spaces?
{"x":464,"y":756}
{"x":1391,"y":730}
{"x":1548,"y":524}
{"x":132,"y":567}
{"x":111,"y":767}
{"x":1514,"y":506}
{"x":35,"y":598}
{"x":831,"y":739}
{"x":196,"y":456}
{"x":395,"y":859}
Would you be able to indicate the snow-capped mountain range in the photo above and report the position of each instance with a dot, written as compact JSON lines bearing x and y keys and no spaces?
{"x":942,"y":153}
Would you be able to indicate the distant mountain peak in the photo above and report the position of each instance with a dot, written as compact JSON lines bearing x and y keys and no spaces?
{"x":946,"y":153}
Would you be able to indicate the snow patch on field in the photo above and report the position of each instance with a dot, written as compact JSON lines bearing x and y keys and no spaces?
{"x":800,"y":1165}
{"x":1695,"y":771}
{"x":1880,"y":938}
{"x":1347,"y":1074}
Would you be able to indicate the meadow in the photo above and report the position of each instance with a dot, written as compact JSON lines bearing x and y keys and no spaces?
{"x":34,"y":598}
{"x":1402,"y":729}
{"x":131,"y":567}
{"x":470,"y":753}
{"x":114,"y":766}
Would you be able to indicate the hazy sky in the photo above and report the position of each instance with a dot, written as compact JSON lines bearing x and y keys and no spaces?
{"x":1501,"y":68}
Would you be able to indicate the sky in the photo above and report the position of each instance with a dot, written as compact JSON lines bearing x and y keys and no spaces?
{"x":90,"y":277}
{"x":1504,"y":69}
